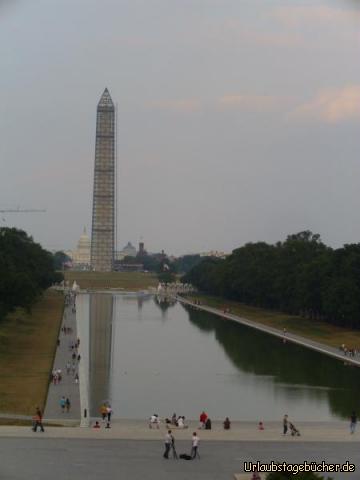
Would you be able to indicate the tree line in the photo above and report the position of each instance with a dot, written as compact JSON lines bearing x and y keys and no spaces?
{"x":301,"y":276}
{"x":26,"y":269}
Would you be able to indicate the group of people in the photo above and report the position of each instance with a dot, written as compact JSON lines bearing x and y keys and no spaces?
{"x":97,"y":425}
{"x":71,"y":366}
{"x":226,"y":310}
{"x":351,"y":352}
{"x":205,"y":422}
{"x":73,"y":346}
{"x":56,"y":376}
{"x":106,"y":411}
{"x":65,"y":404}
{"x":170,"y":447}
{"x":177,"y":421}
{"x":66,"y":330}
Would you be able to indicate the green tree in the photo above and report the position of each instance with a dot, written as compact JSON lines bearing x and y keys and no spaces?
{"x":299,"y":276}
{"x":60,"y":259}
{"x":26,"y":269}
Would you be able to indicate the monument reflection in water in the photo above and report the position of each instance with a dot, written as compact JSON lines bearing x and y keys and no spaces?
{"x":149,"y":356}
{"x":95,"y":314}
{"x":100,"y":349}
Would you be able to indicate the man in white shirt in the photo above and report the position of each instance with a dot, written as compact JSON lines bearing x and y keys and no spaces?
{"x":168,"y":442}
{"x":194,"y":446}
{"x":154,"y":421}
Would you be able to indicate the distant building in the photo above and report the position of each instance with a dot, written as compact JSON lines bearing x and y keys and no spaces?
{"x":128,"y":251}
{"x":142,"y":250}
{"x":81,"y":255}
{"x":214,"y":254}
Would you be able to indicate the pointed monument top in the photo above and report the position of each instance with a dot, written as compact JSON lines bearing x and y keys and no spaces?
{"x":105,"y":100}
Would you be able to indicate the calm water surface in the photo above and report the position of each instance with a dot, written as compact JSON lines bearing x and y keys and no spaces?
{"x":149,"y":357}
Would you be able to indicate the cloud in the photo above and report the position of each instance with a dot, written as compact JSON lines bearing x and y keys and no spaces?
{"x":250,"y":102}
{"x":321,"y":14}
{"x":182,"y":106}
{"x":234,"y":30}
{"x":242,"y":102}
{"x":333,"y":105}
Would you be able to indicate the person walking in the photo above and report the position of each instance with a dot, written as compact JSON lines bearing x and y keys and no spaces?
{"x":353,"y":422}
{"x":103,"y":411}
{"x":67,"y":404}
{"x":168,"y":441}
{"x":37,"y":421}
{"x":109,"y":413}
{"x":62,"y":403}
{"x":173,"y":449}
{"x":285,"y":424}
{"x":195,"y":446}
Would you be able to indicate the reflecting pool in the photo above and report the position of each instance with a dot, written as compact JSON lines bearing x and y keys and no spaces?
{"x":147,"y":356}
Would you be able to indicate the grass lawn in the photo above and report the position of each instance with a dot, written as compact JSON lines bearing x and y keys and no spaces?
{"x":319,"y":331}
{"x":125,"y":280}
{"x":27,"y":349}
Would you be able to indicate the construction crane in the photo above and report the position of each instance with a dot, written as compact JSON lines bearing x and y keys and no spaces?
{"x":20,"y":210}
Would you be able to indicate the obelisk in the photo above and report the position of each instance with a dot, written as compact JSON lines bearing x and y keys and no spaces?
{"x":103,"y":214}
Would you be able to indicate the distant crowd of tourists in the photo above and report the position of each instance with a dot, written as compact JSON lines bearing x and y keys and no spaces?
{"x":179,"y":421}
{"x":72,"y":363}
{"x":350,"y":352}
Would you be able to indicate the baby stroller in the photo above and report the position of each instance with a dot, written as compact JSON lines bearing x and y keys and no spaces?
{"x":293,"y":430}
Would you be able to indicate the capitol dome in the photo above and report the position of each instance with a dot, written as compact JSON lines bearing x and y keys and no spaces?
{"x":81,"y":256}
{"x":84,"y":241}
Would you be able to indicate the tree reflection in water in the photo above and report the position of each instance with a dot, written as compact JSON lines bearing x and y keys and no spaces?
{"x":293,"y":368}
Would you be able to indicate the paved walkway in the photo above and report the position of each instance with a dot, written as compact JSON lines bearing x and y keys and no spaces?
{"x":64,"y":459}
{"x":327,"y":432}
{"x":67,"y":387}
{"x":291,"y":337}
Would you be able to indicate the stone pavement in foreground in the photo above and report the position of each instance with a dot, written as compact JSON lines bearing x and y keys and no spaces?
{"x":67,"y":386}
{"x":64,"y":459}
{"x":241,"y":431}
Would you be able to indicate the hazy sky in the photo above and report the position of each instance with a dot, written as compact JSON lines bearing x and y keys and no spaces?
{"x":239,"y":120}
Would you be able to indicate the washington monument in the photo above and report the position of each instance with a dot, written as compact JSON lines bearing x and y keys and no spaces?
{"x":104,"y":205}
